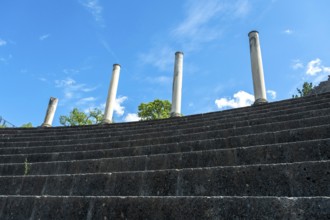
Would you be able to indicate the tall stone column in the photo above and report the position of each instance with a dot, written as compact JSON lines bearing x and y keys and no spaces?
{"x":257,"y":69}
{"x":50,"y":112}
{"x":108,"y":112}
{"x":177,"y":85}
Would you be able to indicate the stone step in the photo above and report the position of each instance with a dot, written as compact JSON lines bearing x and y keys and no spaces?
{"x":156,"y":207}
{"x":166,"y":136}
{"x":287,"y":179}
{"x":183,"y":129}
{"x":187,"y":147}
{"x":270,"y":108}
{"x":207,"y":139}
{"x":271,"y":154}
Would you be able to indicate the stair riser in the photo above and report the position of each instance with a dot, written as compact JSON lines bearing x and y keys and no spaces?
{"x":160,"y":149}
{"x":208,"y":140}
{"x":186,"y":129}
{"x":163,"y":208}
{"x":165,"y":137}
{"x":245,"y":156}
{"x":303,"y":179}
{"x":177,"y":124}
{"x":272,"y":108}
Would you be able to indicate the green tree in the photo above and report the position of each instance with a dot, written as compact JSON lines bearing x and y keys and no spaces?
{"x":156,"y":109}
{"x":306,"y":89}
{"x":27,"y":125}
{"x":77,"y":117}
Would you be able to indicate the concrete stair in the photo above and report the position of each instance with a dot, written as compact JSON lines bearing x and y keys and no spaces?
{"x":270,"y":161}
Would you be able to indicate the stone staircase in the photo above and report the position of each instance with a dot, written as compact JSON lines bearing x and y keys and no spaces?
{"x":269,"y":161}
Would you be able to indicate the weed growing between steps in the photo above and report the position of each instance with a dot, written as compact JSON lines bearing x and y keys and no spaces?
{"x":27,"y":167}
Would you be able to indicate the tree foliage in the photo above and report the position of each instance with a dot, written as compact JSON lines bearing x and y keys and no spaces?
{"x":27,"y":125}
{"x":306,"y":89}
{"x":77,"y":117}
{"x":156,"y":109}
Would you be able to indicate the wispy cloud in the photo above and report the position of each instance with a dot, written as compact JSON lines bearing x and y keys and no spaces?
{"x":71,"y":71}
{"x":297,"y":64}
{"x":288,"y":31}
{"x":3,"y":42}
{"x":108,"y":48}
{"x":196,"y":28}
{"x":42,"y":79}
{"x":86,"y":100}
{"x":272,"y":94}
{"x":72,"y":90}
{"x":95,"y":8}
{"x":131,"y":117}
{"x":161,"y":58}
{"x":204,"y":22}
{"x":242,"y":8}
{"x":159,"y":80}
{"x":44,"y":37}
{"x":5,"y":60}
{"x":241,"y":99}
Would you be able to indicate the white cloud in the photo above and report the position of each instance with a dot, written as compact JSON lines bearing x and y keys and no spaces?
{"x":272,"y":94}
{"x":326,"y":69}
{"x":131,"y":117}
{"x":2,"y":42}
{"x":316,"y":71}
{"x":95,"y":8}
{"x":314,"y":67}
{"x":86,"y":100}
{"x":288,"y":31}
{"x":44,"y":37}
{"x":118,"y":108}
{"x":297,"y":64}
{"x":241,"y":99}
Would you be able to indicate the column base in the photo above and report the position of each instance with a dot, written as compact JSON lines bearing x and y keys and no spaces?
{"x":45,"y":125}
{"x":106,"y":122}
{"x":175,"y":114}
{"x":260,"y":101}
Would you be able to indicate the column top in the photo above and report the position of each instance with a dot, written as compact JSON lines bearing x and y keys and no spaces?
{"x":116,"y":64}
{"x":253,"y":32}
{"x":178,"y":52}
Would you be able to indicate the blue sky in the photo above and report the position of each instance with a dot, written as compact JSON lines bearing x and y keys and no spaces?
{"x":66,"y":49}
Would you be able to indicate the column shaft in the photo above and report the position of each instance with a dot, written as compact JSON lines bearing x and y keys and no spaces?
{"x":108,"y":112}
{"x":257,"y":69}
{"x":177,"y":85}
{"x":50,"y":112}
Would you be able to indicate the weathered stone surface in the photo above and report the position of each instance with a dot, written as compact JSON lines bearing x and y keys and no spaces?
{"x":263,"y":162}
{"x":165,"y":208}
{"x":289,"y":179}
